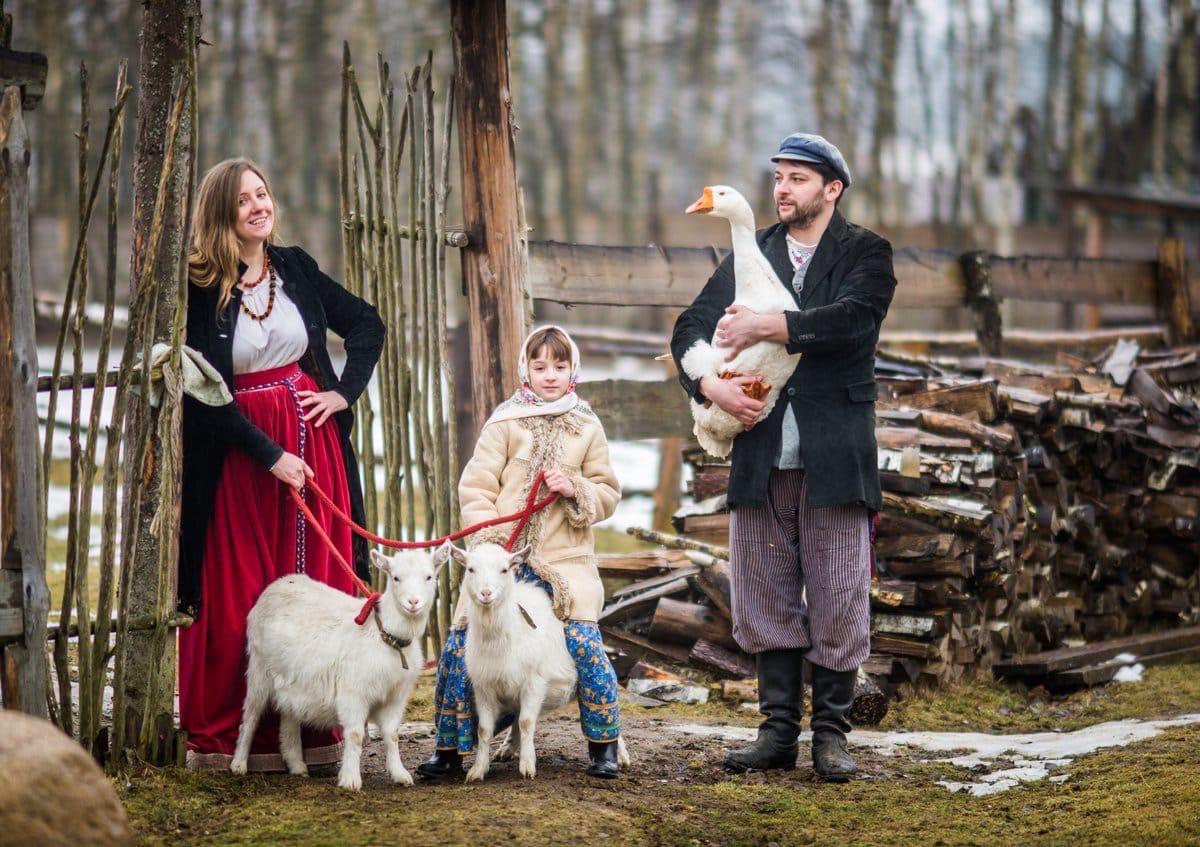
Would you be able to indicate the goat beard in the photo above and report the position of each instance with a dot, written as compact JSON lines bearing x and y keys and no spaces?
{"x":802,"y":216}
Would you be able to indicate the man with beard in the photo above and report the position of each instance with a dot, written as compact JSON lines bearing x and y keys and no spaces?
{"x":804,"y":480}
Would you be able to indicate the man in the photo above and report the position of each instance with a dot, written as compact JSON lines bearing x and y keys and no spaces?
{"x":803,"y":480}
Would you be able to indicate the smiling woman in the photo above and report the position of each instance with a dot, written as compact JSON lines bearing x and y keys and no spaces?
{"x":259,"y":313}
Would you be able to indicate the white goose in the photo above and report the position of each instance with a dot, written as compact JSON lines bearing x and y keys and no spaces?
{"x":758,"y":288}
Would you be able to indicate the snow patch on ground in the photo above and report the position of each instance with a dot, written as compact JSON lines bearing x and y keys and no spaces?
{"x":997,"y":762}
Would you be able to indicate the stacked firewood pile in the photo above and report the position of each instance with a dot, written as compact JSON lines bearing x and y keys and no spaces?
{"x":1025,"y":507}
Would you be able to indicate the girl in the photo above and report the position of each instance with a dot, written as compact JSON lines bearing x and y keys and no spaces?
{"x":259,"y":314}
{"x":544,"y":426}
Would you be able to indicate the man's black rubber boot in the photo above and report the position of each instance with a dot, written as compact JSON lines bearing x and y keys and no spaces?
{"x":780,"y":698}
{"x":441,"y":764}
{"x":603,"y":760}
{"x":833,"y":693}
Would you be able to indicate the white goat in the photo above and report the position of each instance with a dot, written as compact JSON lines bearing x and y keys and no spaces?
{"x":319,"y":668}
{"x":516,"y":654}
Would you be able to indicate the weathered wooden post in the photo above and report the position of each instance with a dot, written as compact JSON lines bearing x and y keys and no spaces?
{"x":149,"y":679}
{"x":1174,"y":301}
{"x":495,"y":262}
{"x":24,"y":598}
{"x":981,"y":299}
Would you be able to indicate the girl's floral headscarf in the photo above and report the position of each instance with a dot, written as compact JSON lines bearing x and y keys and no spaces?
{"x":525,"y":402}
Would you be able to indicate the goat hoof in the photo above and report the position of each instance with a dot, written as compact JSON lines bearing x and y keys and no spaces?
{"x":302,"y":770}
{"x":402,"y":776}
{"x":623,"y":754}
{"x":528,"y":769}
{"x":476,"y":774}
{"x":350,"y":781}
{"x":238,"y":766}
{"x":504,"y":754}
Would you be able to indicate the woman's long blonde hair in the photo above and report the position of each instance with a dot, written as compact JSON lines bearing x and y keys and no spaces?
{"x":216,"y":249}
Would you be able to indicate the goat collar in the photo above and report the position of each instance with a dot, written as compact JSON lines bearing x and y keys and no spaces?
{"x":397,"y":644}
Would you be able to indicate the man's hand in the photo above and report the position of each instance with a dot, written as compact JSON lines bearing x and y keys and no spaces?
{"x":323,"y":403}
{"x":729,"y":395}
{"x":742,"y":328}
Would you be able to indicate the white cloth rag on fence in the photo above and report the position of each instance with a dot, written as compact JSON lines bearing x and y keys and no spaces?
{"x":200,"y":379}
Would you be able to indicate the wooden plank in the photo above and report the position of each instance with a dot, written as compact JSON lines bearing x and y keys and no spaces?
{"x":632,"y":409}
{"x":1067,"y":658}
{"x":1103,"y":672}
{"x":1052,"y":280}
{"x":638,"y":565}
{"x":1131,"y":201}
{"x":21,"y":522}
{"x":673,"y":276}
{"x":26,"y":71}
{"x":619,"y":276}
{"x":653,"y":582}
{"x":630,"y":605}
{"x":927,"y":279}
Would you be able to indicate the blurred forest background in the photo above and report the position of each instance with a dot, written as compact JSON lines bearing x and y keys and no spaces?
{"x":957,"y":118}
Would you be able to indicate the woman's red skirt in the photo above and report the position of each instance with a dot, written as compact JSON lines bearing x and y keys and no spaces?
{"x":257,"y":535}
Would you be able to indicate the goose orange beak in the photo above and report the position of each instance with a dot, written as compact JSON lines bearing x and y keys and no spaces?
{"x":702,"y":206}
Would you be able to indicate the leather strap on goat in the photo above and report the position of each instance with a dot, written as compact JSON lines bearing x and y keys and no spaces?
{"x":532,"y":505}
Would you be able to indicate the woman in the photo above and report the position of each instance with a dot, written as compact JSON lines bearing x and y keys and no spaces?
{"x":259,"y":314}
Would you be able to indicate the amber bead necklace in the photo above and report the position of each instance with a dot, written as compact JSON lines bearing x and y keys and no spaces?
{"x":267,"y":271}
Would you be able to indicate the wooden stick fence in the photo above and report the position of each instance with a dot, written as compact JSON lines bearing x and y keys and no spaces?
{"x":405,"y":277}
{"x":101,"y":636}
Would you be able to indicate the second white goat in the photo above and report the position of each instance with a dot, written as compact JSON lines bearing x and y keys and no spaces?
{"x":516,"y":654}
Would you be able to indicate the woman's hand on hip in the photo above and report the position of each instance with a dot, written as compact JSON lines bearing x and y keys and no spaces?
{"x":558,"y":483}
{"x":292,"y":470}
{"x":321,"y":404}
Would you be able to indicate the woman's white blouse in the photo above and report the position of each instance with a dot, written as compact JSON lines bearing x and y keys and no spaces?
{"x":278,"y":340}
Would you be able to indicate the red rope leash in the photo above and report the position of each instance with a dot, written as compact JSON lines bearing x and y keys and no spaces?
{"x":532,"y":504}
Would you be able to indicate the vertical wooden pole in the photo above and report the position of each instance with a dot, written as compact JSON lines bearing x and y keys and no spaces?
{"x":1093,"y":248}
{"x":22,"y":555}
{"x":495,"y":262}
{"x":1174,"y":302}
{"x":163,"y":60}
{"x":981,"y":299}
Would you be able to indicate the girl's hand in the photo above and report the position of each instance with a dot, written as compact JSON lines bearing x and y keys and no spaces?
{"x":292,"y":470}
{"x":558,"y":483}
{"x":323,"y":403}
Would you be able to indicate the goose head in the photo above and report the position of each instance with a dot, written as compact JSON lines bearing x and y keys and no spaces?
{"x":724,"y":202}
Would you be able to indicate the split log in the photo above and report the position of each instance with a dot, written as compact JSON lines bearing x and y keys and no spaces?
{"x":973,"y":398}
{"x":715,"y":583}
{"x":678,"y":622}
{"x":870,"y":706}
{"x":716,"y":659}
